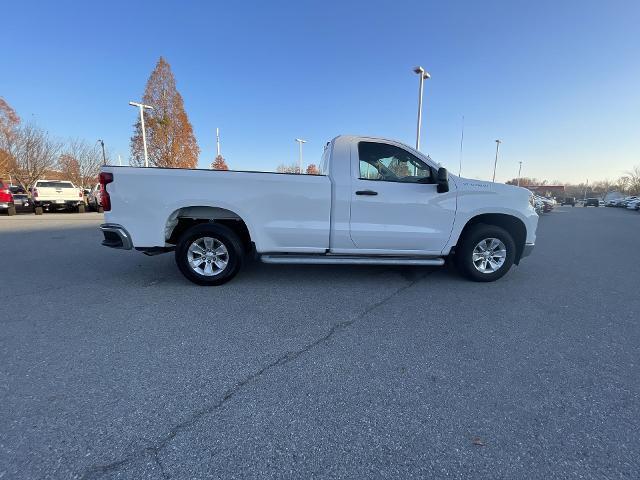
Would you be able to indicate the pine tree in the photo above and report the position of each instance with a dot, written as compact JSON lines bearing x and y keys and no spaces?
{"x":170,"y":138}
{"x":219,"y":163}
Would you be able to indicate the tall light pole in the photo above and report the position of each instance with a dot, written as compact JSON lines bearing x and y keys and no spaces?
{"x":141,"y":107}
{"x":300,"y":142}
{"x":104,"y":158}
{"x":495,"y":164}
{"x":519,"y":172}
{"x":461,"y":143}
{"x":423,"y":76}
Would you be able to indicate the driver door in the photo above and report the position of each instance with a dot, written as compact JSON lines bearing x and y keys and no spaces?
{"x":395,"y":207}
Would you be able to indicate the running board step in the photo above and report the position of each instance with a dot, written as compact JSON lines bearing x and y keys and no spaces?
{"x":351,"y":260}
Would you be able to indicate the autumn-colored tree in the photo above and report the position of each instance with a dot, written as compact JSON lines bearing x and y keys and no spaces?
{"x":219,"y":163}
{"x":9,"y":121}
{"x":69,"y":168}
{"x":170,"y":138}
{"x":312,"y":169}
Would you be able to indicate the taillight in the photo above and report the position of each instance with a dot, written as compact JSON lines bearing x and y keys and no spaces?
{"x":80,"y":193}
{"x":34,"y":192}
{"x":105,"y":179}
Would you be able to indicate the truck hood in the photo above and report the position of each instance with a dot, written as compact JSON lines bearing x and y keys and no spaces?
{"x":470,"y":186}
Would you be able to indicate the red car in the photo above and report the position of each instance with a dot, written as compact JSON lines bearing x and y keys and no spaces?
{"x":6,"y":199}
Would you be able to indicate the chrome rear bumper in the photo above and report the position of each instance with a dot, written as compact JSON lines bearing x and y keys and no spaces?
{"x":115,"y":236}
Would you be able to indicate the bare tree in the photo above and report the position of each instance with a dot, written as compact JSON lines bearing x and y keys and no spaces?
{"x":80,"y":162}
{"x":633,"y":180}
{"x":35,"y":152}
{"x":293,"y":168}
{"x":622,"y":184}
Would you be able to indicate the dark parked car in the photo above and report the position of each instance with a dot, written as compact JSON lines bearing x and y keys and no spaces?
{"x":592,"y":202}
{"x":22,"y":202}
{"x":569,"y":201}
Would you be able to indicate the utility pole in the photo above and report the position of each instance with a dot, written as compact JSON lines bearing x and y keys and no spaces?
{"x":586,"y":186}
{"x":300,"y":142}
{"x":495,"y":164}
{"x":217,"y":142}
{"x":423,"y":76}
{"x":104,"y":157}
{"x":519,"y":171}
{"x":141,"y":107}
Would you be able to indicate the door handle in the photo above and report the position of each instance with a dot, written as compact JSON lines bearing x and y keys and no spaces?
{"x":366,"y":192}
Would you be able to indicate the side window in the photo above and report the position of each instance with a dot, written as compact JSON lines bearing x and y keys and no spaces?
{"x":388,"y":163}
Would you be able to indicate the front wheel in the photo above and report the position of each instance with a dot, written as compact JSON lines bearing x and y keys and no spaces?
{"x":486,"y":253}
{"x":209,"y":254}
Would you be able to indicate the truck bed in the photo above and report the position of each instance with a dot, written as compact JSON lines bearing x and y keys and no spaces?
{"x":283,"y":212}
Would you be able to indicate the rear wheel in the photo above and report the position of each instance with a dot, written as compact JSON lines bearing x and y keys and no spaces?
{"x":37,"y":210}
{"x":486,"y":253}
{"x":209,"y":254}
{"x":11,"y":211}
{"x":81,"y":208}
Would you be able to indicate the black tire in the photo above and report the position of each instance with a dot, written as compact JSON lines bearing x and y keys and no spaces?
{"x":11,"y":211}
{"x":100,"y":209}
{"x":81,"y":208}
{"x":472,"y":237}
{"x":37,"y":210}
{"x":219,"y":233}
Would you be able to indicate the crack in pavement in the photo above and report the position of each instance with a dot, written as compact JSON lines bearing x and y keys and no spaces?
{"x":97,"y":471}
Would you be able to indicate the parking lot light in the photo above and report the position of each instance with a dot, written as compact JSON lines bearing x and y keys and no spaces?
{"x":141,"y":107}
{"x":424,"y":75}
{"x":104,"y":157}
{"x":300,"y":142}
{"x":519,"y":172}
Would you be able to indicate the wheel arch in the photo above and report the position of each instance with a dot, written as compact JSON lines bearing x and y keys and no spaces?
{"x":512,"y":224}
{"x":183,"y":218}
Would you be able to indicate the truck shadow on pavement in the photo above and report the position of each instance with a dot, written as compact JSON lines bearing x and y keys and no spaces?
{"x":73,"y":250}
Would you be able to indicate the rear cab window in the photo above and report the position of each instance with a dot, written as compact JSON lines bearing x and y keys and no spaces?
{"x":54,"y":184}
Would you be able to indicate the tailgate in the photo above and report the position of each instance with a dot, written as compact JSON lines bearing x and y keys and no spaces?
{"x":62,"y":191}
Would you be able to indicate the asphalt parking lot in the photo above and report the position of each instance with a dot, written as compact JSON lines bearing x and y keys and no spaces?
{"x":112,"y":365}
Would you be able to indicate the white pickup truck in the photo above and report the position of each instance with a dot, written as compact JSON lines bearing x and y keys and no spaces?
{"x":375,"y":201}
{"x":56,"y":195}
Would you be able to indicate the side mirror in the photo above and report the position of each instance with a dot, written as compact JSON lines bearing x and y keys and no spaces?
{"x":442,"y":180}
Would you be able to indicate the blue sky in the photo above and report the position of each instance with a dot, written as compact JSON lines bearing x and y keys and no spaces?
{"x":558,"y":82}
